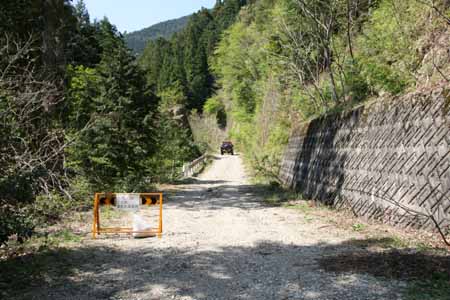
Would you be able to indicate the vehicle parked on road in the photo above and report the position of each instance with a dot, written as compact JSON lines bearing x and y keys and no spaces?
{"x":227,"y":147}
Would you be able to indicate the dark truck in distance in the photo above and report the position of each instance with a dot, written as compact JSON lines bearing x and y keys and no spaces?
{"x":226,"y":147}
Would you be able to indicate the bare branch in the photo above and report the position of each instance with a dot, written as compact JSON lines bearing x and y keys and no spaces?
{"x":34,"y":144}
{"x":432,"y":5}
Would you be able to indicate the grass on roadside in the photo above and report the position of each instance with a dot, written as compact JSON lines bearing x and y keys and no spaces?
{"x":358,"y":227}
{"x":273,"y":194}
{"x":40,"y":242}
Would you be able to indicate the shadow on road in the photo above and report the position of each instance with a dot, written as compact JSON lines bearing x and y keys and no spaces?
{"x":196,"y":181}
{"x":264,"y":271}
{"x":217,"y":197}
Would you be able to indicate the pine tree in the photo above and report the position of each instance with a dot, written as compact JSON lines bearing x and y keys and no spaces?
{"x":185,"y":58}
{"x":111,"y":152}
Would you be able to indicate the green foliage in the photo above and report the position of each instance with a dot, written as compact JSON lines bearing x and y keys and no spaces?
{"x":76,"y":114}
{"x":110,"y":115}
{"x":47,"y":209}
{"x":355,"y":84}
{"x":383,"y":78}
{"x":171,"y":97}
{"x":15,"y":220}
{"x":386,"y":48}
{"x":358,"y":227}
{"x":81,"y":191}
{"x":175,"y":146}
{"x":184,"y":59}
{"x":237,"y":64}
{"x":285,"y":61}
{"x":30,"y":97}
{"x":250,"y":86}
{"x":152,"y":60}
{"x":63,"y":29}
{"x":213,"y":105}
{"x":83,"y":91}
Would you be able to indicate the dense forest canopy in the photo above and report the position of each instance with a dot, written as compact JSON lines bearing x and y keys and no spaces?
{"x":183,"y":61}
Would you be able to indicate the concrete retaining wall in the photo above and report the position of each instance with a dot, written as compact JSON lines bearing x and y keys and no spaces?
{"x":389,"y":160}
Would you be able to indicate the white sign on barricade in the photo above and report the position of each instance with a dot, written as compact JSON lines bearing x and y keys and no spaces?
{"x":127,"y":201}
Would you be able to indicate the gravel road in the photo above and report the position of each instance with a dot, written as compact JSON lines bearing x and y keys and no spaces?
{"x":220,"y":242}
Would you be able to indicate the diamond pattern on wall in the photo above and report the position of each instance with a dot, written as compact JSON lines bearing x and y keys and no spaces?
{"x":388,"y":160}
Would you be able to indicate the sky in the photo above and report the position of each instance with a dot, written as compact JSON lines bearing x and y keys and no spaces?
{"x":132,"y":15}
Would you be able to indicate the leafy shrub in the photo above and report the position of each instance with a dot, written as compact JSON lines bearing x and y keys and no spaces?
{"x":81,"y":191}
{"x":357,"y":88}
{"x":381,"y":77}
{"x":213,"y":105}
{"x":18,"y":187}
{"x":15,"y":221}
{"x":47,"y":209}
{"x":386,"y":49}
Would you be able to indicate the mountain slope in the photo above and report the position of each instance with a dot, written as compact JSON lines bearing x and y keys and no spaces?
{"x":137,"y":40}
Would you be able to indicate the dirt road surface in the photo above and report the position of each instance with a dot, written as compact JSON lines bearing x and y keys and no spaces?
{"x":221,"y":241}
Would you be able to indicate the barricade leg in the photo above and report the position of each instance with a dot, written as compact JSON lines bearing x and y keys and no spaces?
{"x":160,"y":216}
{"x":96,"y":222}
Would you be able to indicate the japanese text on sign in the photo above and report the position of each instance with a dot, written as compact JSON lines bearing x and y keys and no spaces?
{"x":128,"y":201}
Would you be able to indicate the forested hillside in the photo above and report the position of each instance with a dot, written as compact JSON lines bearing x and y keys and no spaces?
{"x":280,"y":63}
{"x":181,"y":66}
{"x":285,"y":62}
{"x":137,"y":40}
